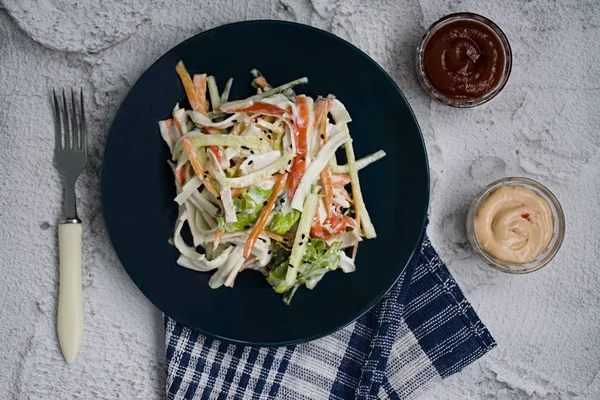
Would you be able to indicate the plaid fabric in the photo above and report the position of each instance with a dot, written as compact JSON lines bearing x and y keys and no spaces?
{"x":422,"y":331}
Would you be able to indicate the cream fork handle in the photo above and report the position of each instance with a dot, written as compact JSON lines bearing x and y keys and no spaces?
{"x":70,"y":300}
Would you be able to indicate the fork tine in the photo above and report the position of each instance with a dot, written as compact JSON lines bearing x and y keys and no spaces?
{"x":65,"y":115}
{"x":82,"y":127}
{"x":67,"y":128}
{"x":57,"y":124}
{"x":74,"y":126}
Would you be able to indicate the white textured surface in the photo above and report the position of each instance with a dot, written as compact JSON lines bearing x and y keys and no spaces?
{"x":544,"y":125}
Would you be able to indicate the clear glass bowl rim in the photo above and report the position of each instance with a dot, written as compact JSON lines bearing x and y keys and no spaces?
{"x":557,"y":237}
{"x":422,"y":77}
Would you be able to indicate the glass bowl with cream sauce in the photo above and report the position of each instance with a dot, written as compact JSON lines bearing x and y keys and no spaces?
{"x":516,"y":225}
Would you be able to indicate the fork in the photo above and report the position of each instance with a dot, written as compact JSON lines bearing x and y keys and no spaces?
{"x":70,"y":157}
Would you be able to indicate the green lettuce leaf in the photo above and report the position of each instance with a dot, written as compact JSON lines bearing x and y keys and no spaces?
{"x":317,"y":261}
{"x":320,"y":256}
{"x":247,"y":209}
{"x":281,"y":223}
{"x":252,"y":198}
{"x":278,"y":268}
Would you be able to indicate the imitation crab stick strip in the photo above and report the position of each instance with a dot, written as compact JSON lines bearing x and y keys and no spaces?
{"x":189,"y":87}
{"x":180,"y":174}
{"x":299,"y":163}
{"x":200,"y":87}
{"x":261,"y":82}
{"x":177,"y":124}
{"x":264,"y":214}
{"x":323,"y":106}
{"x":316,"y":229}
{"x":215,"y":151}
{"x":263,"y":108}
{"x":188,"y":147}
{"x":340,"y":180}
{"x":327,"y":189}
{"x":218,"y":236}
{"x":172,"y":134}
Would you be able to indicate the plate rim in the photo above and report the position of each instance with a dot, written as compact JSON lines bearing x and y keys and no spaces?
{"x":381,"y":295}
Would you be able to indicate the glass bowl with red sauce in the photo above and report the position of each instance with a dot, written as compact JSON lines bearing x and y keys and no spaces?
{"x":464,"y":60}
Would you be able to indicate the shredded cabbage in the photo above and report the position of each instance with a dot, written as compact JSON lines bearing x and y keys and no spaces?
{"x":201,"y":140}
{"x":257,"y":176}
{"x":315,"y":168}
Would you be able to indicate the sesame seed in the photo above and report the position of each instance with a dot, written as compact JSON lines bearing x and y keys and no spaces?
{"x":286,"y":239}
{"x":250,"y":162}
{"x":265,"y":203}
{"x":322,"y":136}
{"x":303,"y":236}
{"x":270,"y":251}
{"x":218,"y":197}
{"x":269,"y":136}
{"x":244,"y":147}
{"x":251,"y":151}
{"x":300,"y":244}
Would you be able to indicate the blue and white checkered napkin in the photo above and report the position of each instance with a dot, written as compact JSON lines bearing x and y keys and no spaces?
{"x":422,"y":331}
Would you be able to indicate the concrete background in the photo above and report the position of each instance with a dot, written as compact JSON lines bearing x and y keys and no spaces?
{"x":544,"y":125}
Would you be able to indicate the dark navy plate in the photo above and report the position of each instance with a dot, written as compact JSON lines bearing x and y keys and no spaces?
{"x":138,"y":187}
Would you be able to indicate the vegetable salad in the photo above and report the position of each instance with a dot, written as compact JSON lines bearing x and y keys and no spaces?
{"x":259,"y":186}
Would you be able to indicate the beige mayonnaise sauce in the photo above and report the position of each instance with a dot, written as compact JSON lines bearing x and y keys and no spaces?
{"x":514,"y":224}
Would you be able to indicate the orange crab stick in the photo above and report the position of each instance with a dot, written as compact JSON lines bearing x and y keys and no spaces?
{"x":180,"y":174}
{"x":188,"y":147}
{"x":188,"y":85}
{"x":264,"y":214}
{"x":200,"y":87}
{"x":260,"y":81}
{"x":299,"y":163}
{"x":261,"y":107}
{"x":218,"y":236}
{"x":327,"y":189}
{"x":340,"y":180}
{"x":323,"y":106}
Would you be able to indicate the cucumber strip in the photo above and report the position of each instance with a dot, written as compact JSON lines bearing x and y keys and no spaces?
{"x":232,"y":105}
{"x":202,"y":120}
{"x":302,"y":234}
{"x":226,"y":90}
{"x":363,"y":214}
{"x":280,"y":89}
{"x":213,"y":92}
{"x":360,"y":164}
